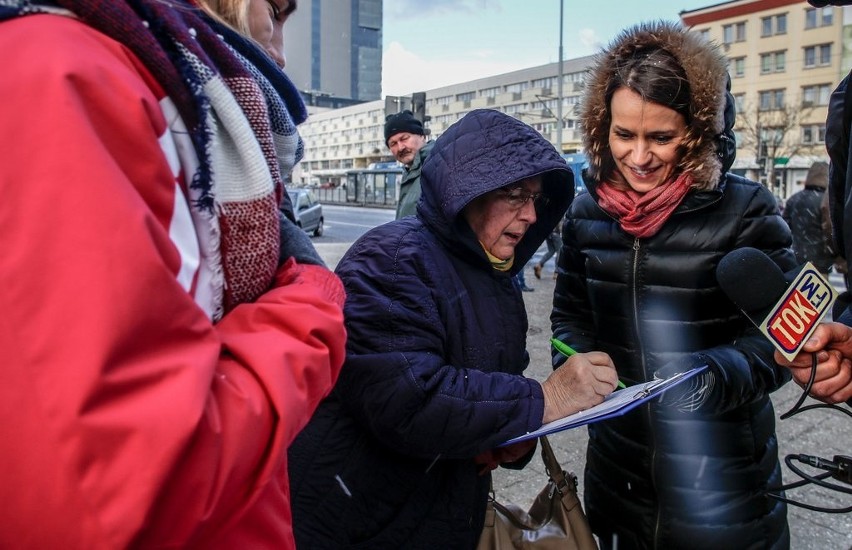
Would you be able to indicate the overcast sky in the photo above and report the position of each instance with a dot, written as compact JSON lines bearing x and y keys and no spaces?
{"x":432,"y":43}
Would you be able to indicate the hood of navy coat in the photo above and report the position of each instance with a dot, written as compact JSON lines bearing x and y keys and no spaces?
{"x":484,"y":151}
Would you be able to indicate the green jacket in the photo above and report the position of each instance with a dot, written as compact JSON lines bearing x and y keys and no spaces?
{"x":409,"y":187}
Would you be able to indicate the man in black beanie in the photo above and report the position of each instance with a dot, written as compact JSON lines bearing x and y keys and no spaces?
{"x":406,"y":139}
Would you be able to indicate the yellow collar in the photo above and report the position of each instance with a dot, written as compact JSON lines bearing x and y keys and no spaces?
{"x":497,"y":263}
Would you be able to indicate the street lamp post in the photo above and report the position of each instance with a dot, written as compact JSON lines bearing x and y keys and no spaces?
{"x":559,"y":87}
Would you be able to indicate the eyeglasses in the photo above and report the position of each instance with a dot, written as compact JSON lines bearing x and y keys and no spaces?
{"x":518,"y":197}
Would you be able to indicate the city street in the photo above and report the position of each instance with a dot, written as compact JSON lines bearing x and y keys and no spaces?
{"x":344,"y":224}
{"x":819,"y":432}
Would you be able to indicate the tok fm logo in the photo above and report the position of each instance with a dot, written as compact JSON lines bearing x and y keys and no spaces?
{"x":799,"y":311}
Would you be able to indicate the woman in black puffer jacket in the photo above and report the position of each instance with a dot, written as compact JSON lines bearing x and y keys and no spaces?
{"x":637,"y":280}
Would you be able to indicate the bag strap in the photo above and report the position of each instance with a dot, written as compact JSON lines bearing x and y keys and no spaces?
{"x":554,"y":470}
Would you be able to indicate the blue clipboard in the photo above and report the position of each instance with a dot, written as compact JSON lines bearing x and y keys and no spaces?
{"x":615,"y":404}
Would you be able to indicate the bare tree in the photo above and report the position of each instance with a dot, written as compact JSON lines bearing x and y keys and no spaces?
{"x":772,"y":133}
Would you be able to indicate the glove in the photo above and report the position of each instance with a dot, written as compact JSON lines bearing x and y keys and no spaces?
{"x":516,"y":456}
{"x":296,"y":244}
{"x":691,"y":394}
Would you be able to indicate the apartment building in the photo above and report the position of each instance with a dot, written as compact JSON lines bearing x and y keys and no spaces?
{"x":353,"y":137}
{"x":785,"y":58}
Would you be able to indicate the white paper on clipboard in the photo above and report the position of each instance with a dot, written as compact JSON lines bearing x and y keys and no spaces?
{"x":615,"y":404}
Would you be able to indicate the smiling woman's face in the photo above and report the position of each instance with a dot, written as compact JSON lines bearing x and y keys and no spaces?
{"x":644,"y":139}
{"x":501,"y":217}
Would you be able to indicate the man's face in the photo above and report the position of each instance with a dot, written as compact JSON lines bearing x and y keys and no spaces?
{"x":404,"y":146}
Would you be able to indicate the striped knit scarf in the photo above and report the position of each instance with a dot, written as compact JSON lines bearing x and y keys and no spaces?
{"x":240,"y":113}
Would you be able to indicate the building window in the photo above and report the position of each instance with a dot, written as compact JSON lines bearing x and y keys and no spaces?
{"x":466,"y":96}
{"x":489,"y":92}
{"x":517,"y":87}
{"x":813,"y":134}
{"x":770,"y":100}
{"x":739,"y":101}
{"x":444,"y":100}
{"x":705,"y":34}
{"x":543,"y":82}
{"x":816,"y":95}
{"x":774,"y":24}
{"x":817,"y":56}
{"x":781,"y":23}
{"x":370,"y":15}
{"x":735,"y":32}
{"x":547,"y":104}
{"x":819,"y":17}
{"x":772,"y":62}
{"x":544,"y":127}
{"x":737,"y":66}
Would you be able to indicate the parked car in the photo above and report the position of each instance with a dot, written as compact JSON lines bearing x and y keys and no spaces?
{"x":308,"y":210}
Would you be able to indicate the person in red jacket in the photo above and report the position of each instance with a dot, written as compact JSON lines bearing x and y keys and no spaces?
{"x":165,"y":332}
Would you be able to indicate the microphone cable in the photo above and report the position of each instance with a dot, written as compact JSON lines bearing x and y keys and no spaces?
{"x":840,"y":468}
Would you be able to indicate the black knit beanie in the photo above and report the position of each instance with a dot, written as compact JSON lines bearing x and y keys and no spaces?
{"x":403,"y":121}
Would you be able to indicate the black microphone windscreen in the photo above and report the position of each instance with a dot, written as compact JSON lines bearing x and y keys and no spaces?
{"x":752,"y":281}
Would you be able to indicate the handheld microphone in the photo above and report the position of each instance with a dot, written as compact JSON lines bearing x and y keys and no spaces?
{"x":785,"y":307}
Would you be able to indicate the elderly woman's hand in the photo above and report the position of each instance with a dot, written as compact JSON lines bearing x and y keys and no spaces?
{"x":577,"y":384}
{"x":489,"y":460}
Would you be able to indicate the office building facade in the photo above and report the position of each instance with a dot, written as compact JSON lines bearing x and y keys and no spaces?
{"x":334,"y":51}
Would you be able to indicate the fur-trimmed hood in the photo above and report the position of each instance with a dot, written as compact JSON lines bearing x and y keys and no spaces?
{"x":706,"y":71}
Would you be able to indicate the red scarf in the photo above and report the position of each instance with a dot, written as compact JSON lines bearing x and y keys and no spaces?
{"x":642,"y":214}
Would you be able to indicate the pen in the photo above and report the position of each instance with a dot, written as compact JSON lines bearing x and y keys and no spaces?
{"x":568,"y":351}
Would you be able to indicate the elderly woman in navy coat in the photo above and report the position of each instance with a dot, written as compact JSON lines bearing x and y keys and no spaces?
{"x":396,"y":456}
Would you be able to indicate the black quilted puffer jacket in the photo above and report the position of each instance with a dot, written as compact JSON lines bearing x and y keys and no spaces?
{"x":663,"y":477}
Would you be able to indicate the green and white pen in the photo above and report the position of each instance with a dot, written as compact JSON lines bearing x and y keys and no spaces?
{"x":568,"y":351}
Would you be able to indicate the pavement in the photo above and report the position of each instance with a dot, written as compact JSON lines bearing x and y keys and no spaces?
{"x":821,"y":432}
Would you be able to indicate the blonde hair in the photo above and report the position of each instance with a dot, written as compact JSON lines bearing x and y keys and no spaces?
{"x":233,"y":13}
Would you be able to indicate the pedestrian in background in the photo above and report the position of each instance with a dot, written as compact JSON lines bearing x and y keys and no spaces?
{"x":840,"y":264}
{"x":554,"y":246}
{"x":406,"y":139}
{"x":637,"y":281}
{"x":521,"y":280}
{"x":803,"y":213}
{"x":400,"y":453}
{"x":163,"y":344}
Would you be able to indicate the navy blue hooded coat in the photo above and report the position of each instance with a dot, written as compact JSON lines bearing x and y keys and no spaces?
{"x":435,"y":354}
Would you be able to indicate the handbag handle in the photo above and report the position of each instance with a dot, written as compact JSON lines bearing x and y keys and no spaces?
{"x":553,"y":468}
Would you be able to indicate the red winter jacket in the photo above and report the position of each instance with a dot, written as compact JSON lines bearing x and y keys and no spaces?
{"x":128,"y":417}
